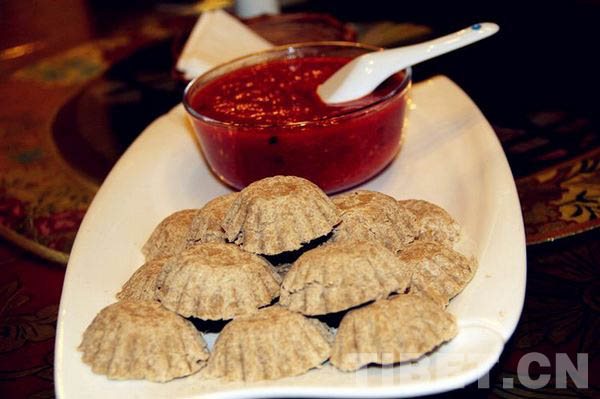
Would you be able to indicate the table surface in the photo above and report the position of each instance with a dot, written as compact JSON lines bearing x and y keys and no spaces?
{"x":536,"y":82}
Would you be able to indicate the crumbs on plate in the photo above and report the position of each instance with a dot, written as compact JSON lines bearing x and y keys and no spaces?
{"x":279,"y":264}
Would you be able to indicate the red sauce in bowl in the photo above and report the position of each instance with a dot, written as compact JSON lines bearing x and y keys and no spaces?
{"x":267,"y":119}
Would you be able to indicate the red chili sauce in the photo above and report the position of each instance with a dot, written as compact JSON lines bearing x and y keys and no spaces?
{"x":267,"y":119}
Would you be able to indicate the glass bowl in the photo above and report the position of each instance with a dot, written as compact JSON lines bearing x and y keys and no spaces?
{"x":335,"y":152}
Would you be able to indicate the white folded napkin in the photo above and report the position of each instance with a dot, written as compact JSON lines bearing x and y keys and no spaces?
{"x":217,"y":38}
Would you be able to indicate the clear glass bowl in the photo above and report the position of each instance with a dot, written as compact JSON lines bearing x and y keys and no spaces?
{"x":335,"y":153}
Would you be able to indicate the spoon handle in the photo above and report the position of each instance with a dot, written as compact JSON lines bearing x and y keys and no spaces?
{"x":410,"y":55}
{"x":362,"y":75}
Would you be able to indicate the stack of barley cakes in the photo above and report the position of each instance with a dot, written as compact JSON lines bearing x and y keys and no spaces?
{"x":293,"y":278}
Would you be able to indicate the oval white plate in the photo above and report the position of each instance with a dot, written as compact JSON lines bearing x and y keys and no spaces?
{"x":451,"y":157}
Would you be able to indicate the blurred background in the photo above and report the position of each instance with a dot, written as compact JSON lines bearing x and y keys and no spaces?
{"x":545,"y":50}
{"x":542,"y":61}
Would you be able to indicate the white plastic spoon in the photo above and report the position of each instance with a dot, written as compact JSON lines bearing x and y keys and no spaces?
{"x":363,"y":74}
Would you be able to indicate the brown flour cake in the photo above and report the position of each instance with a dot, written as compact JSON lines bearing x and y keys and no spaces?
{"x":279,"y":214}
{"x":170,"y":236}
{"x":272,"y":343}
{"x":374,"y":216}
{"x":215,"y":281}
{"x":432,"y":223}
{"x":142,"y":284}
{"x":142,"y":340}
{"x":389,"y":331}
{"x":342,"y":275}
{"x":206,"y":225}
{"x":437,"y":269}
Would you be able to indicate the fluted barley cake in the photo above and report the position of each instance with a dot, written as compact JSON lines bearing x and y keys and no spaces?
{"x":385,"y":268}
{"x":142,"y":285}
{"x":272,"y":343}
{"x":206,"y":225}
{"x":279,"y":214}
{"x":369,"y":215}
{"x":437,"y":269}
{"x":432,"y":223}
{"x":170,"y":236}
{"x":342,"y":275}
{"x":142,"y":340}
{"x":390,"y":331}
{"x":215,"y":281}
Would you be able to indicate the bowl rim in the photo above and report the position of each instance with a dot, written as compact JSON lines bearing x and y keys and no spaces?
{"x":403,"y":86}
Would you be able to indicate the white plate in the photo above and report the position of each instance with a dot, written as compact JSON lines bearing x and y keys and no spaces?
{"x":451,"y":157}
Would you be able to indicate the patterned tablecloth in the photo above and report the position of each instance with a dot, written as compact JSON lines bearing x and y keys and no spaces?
{"x":54,"y":155}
